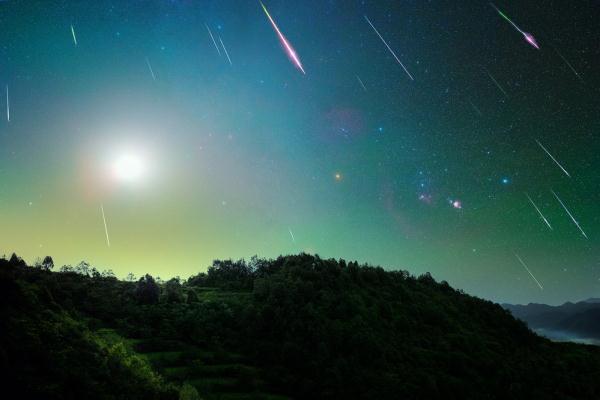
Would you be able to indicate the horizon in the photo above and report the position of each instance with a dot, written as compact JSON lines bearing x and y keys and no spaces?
{"x":155,"y":137}
{"x":246,"y":259}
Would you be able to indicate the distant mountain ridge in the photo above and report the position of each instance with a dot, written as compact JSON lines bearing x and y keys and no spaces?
{"x":570,"y":321}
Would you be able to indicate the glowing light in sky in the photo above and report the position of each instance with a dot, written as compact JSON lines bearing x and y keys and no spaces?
{"x":128,"y":167}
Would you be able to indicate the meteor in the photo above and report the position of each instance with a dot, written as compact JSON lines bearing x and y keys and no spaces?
{"x":496,"y":83}
{"x":213,"y":40}
{"x":539,"y":212}
{"x":73,"y":33}
{"x":568,"y":64}
{"x":7,"y":105}
{"x":389,"y":48}
{"x":105,"y":227}
{"x":528,"y":36}
{"x":150,"y":68}
{"x":361,"y":83}
{"x":552,"y":157}
{"x":225,"y":49}
{"x":475,"y":108}
{"x":569,"y":213}
{"x":527,"y":269}
{"x":292,"y":234}
{"x":289,"y":50}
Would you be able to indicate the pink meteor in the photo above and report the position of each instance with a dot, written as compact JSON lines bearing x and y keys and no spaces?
{"x":531,"y":40}
{"x":528,"y":36}
{"x":291,"y":53}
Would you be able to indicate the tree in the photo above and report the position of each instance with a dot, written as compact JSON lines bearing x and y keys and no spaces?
{"x":47,"y":263}
{"x":197,"y":280}
{"x":188,"y":392}
{"x":192,"y":297}
{"x":231,"y":275}
{"x":83,"y":268}
{"x":16,"y":261}
{"x":173,"y":291}
{"x":66,"y":269}
{"x":147,"y":290}
{"x":108,"y":273}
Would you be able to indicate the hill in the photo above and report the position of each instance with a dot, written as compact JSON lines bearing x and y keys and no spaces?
{"x":296,"y":327}
{"x":570,"y":321}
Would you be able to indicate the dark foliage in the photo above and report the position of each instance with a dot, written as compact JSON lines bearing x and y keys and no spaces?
{"x":45,"y":353}
{"x":298,"y":325}
{"x":147,"y":290}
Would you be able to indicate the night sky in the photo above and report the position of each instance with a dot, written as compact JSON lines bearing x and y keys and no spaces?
{"x":197,"y":150}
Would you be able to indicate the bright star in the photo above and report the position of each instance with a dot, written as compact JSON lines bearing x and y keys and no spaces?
{"x":456,"y":204}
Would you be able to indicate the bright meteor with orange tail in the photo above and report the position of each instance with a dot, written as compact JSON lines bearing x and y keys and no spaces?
{"x":284,"y":42}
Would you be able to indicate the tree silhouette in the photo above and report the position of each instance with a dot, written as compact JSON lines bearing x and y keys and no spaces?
{"x":47,"y":263}
{"x":16,"y":260}
{"x":173,"y":291}
{"x":147,"y":290}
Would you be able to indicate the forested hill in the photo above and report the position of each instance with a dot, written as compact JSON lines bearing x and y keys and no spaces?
{"x":296,"y":327}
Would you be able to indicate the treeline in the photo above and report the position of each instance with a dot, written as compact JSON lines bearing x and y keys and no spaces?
{"x":47,"y":350}
{"x":315,"y":328}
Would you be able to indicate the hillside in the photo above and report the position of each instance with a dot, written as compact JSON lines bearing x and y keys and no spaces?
{"x":569,"y":321}
{"x":296,"y":327}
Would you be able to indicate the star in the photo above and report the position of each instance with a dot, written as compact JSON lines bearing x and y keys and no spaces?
{"x":456,"y":204}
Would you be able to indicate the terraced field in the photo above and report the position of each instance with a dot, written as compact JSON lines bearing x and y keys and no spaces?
{"x":215,"y":375}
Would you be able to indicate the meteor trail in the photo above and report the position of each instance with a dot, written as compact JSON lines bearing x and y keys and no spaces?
{"x":539,"y":212}
{"x":389,"y":48}
{"x":105,"y":227}
{"x":73,"y":33}
{"x":213,"y":40}
{"x":528,"y":36}
{"x":150,"y":68}
{"x":527,"y":269}
{"x":496,"y":83}
{"x":291,"y":234}
{"x":361,"y":83}
{"x":7,"y":105}
{"x":568,"y":64}
{"x":569,"y":213}
{"x":552,"y":157}
{"x":289,"y":50}
{"x":225,"y":49}
{"x":475,"y":108}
